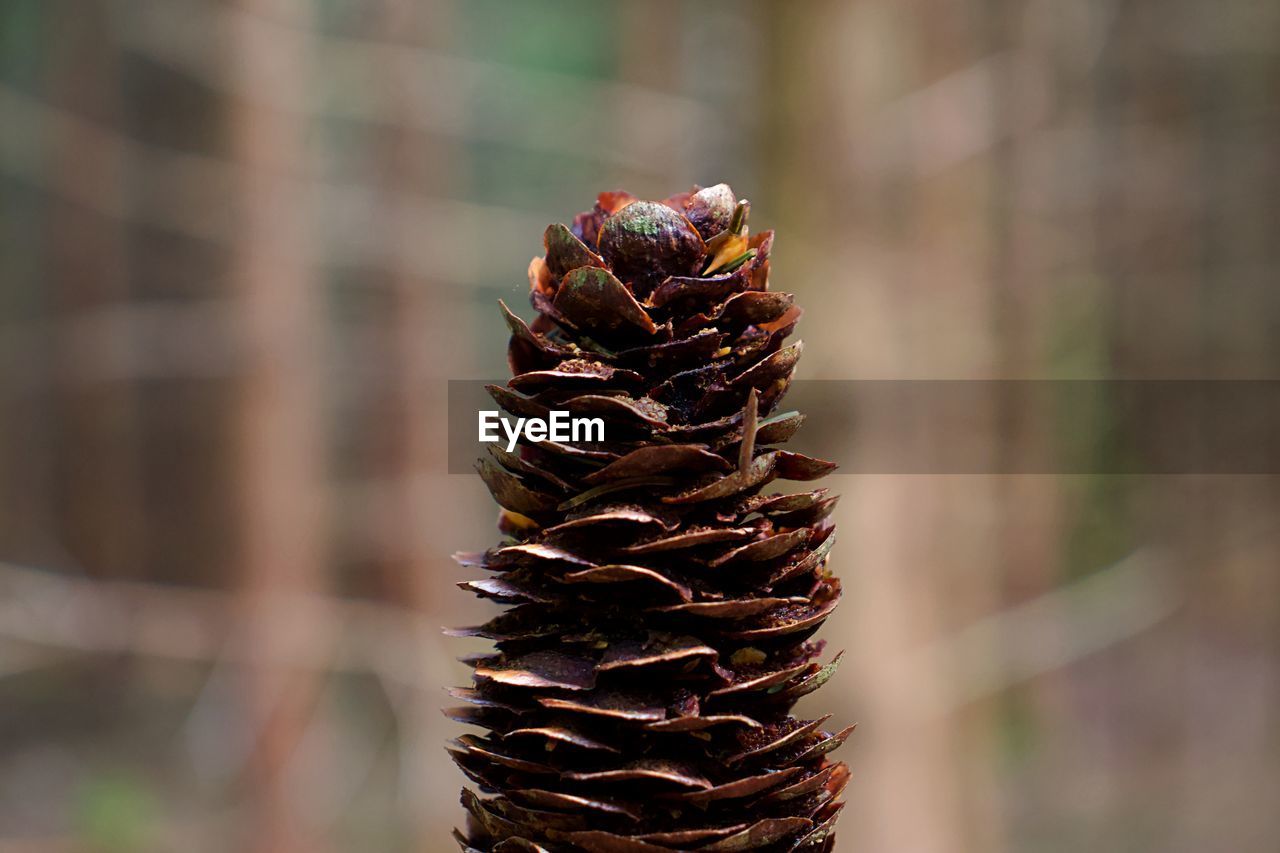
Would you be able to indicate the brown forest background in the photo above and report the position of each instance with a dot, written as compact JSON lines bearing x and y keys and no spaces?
{"x":244,"y":244}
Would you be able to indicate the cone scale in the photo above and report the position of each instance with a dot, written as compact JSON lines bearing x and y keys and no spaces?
{"x":660,"y":592}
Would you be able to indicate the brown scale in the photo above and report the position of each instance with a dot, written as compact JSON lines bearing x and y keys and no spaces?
{"x":658,"y":600}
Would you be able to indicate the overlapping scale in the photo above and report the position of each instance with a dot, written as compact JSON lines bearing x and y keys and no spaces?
{"x":659,"y":603}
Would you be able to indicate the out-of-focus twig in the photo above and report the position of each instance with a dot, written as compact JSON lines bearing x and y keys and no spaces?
{"x":1051,"y":631}
{"x":453,"y":96}
{"x":195,"y":195}
{"x":79,"y":615}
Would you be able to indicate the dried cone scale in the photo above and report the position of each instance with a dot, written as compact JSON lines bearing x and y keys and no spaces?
{"x":660,"y":598}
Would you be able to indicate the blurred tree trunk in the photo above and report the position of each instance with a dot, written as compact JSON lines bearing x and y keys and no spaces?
{"x":409,"y":165}
{"x":98,"y":504}
{"x":1185,"y":111}
{"x":277,"y":416}
{"x":894,"y":109}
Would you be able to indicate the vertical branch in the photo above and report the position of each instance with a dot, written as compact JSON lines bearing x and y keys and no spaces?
{"x":885,"y":193}
{"x":406,"y":165}
{"x":99,"y":506}
{"x":649,"y":40}
{"x":277,"y":419}
{"x":1186,"y":236}
{"x":405,"y":417}
{"x":1043,"y":285}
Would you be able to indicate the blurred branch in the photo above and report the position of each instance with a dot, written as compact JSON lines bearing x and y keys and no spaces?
{"x":18,"y":660}
{"x":454,"y":96}
{"x":928,"y":130}
{"x":78,"y":615}
{"x":124,"y":341}
{"x":278,"y":436}
{"x":1052,"y":631}
{"x":144,"y":339}
{"x":89,"y":616}
{"x":195,"y":195}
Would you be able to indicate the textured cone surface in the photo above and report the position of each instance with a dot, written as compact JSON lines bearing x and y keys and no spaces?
{"x":660,"y":597}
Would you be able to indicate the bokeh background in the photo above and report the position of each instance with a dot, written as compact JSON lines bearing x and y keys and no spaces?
{"x":244,"y":244}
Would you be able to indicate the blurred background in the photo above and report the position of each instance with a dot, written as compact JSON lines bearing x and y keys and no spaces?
{"x":244,"y":244}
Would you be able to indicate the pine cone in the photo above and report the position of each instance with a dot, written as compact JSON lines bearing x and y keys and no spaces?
{"x":660,"y":606}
